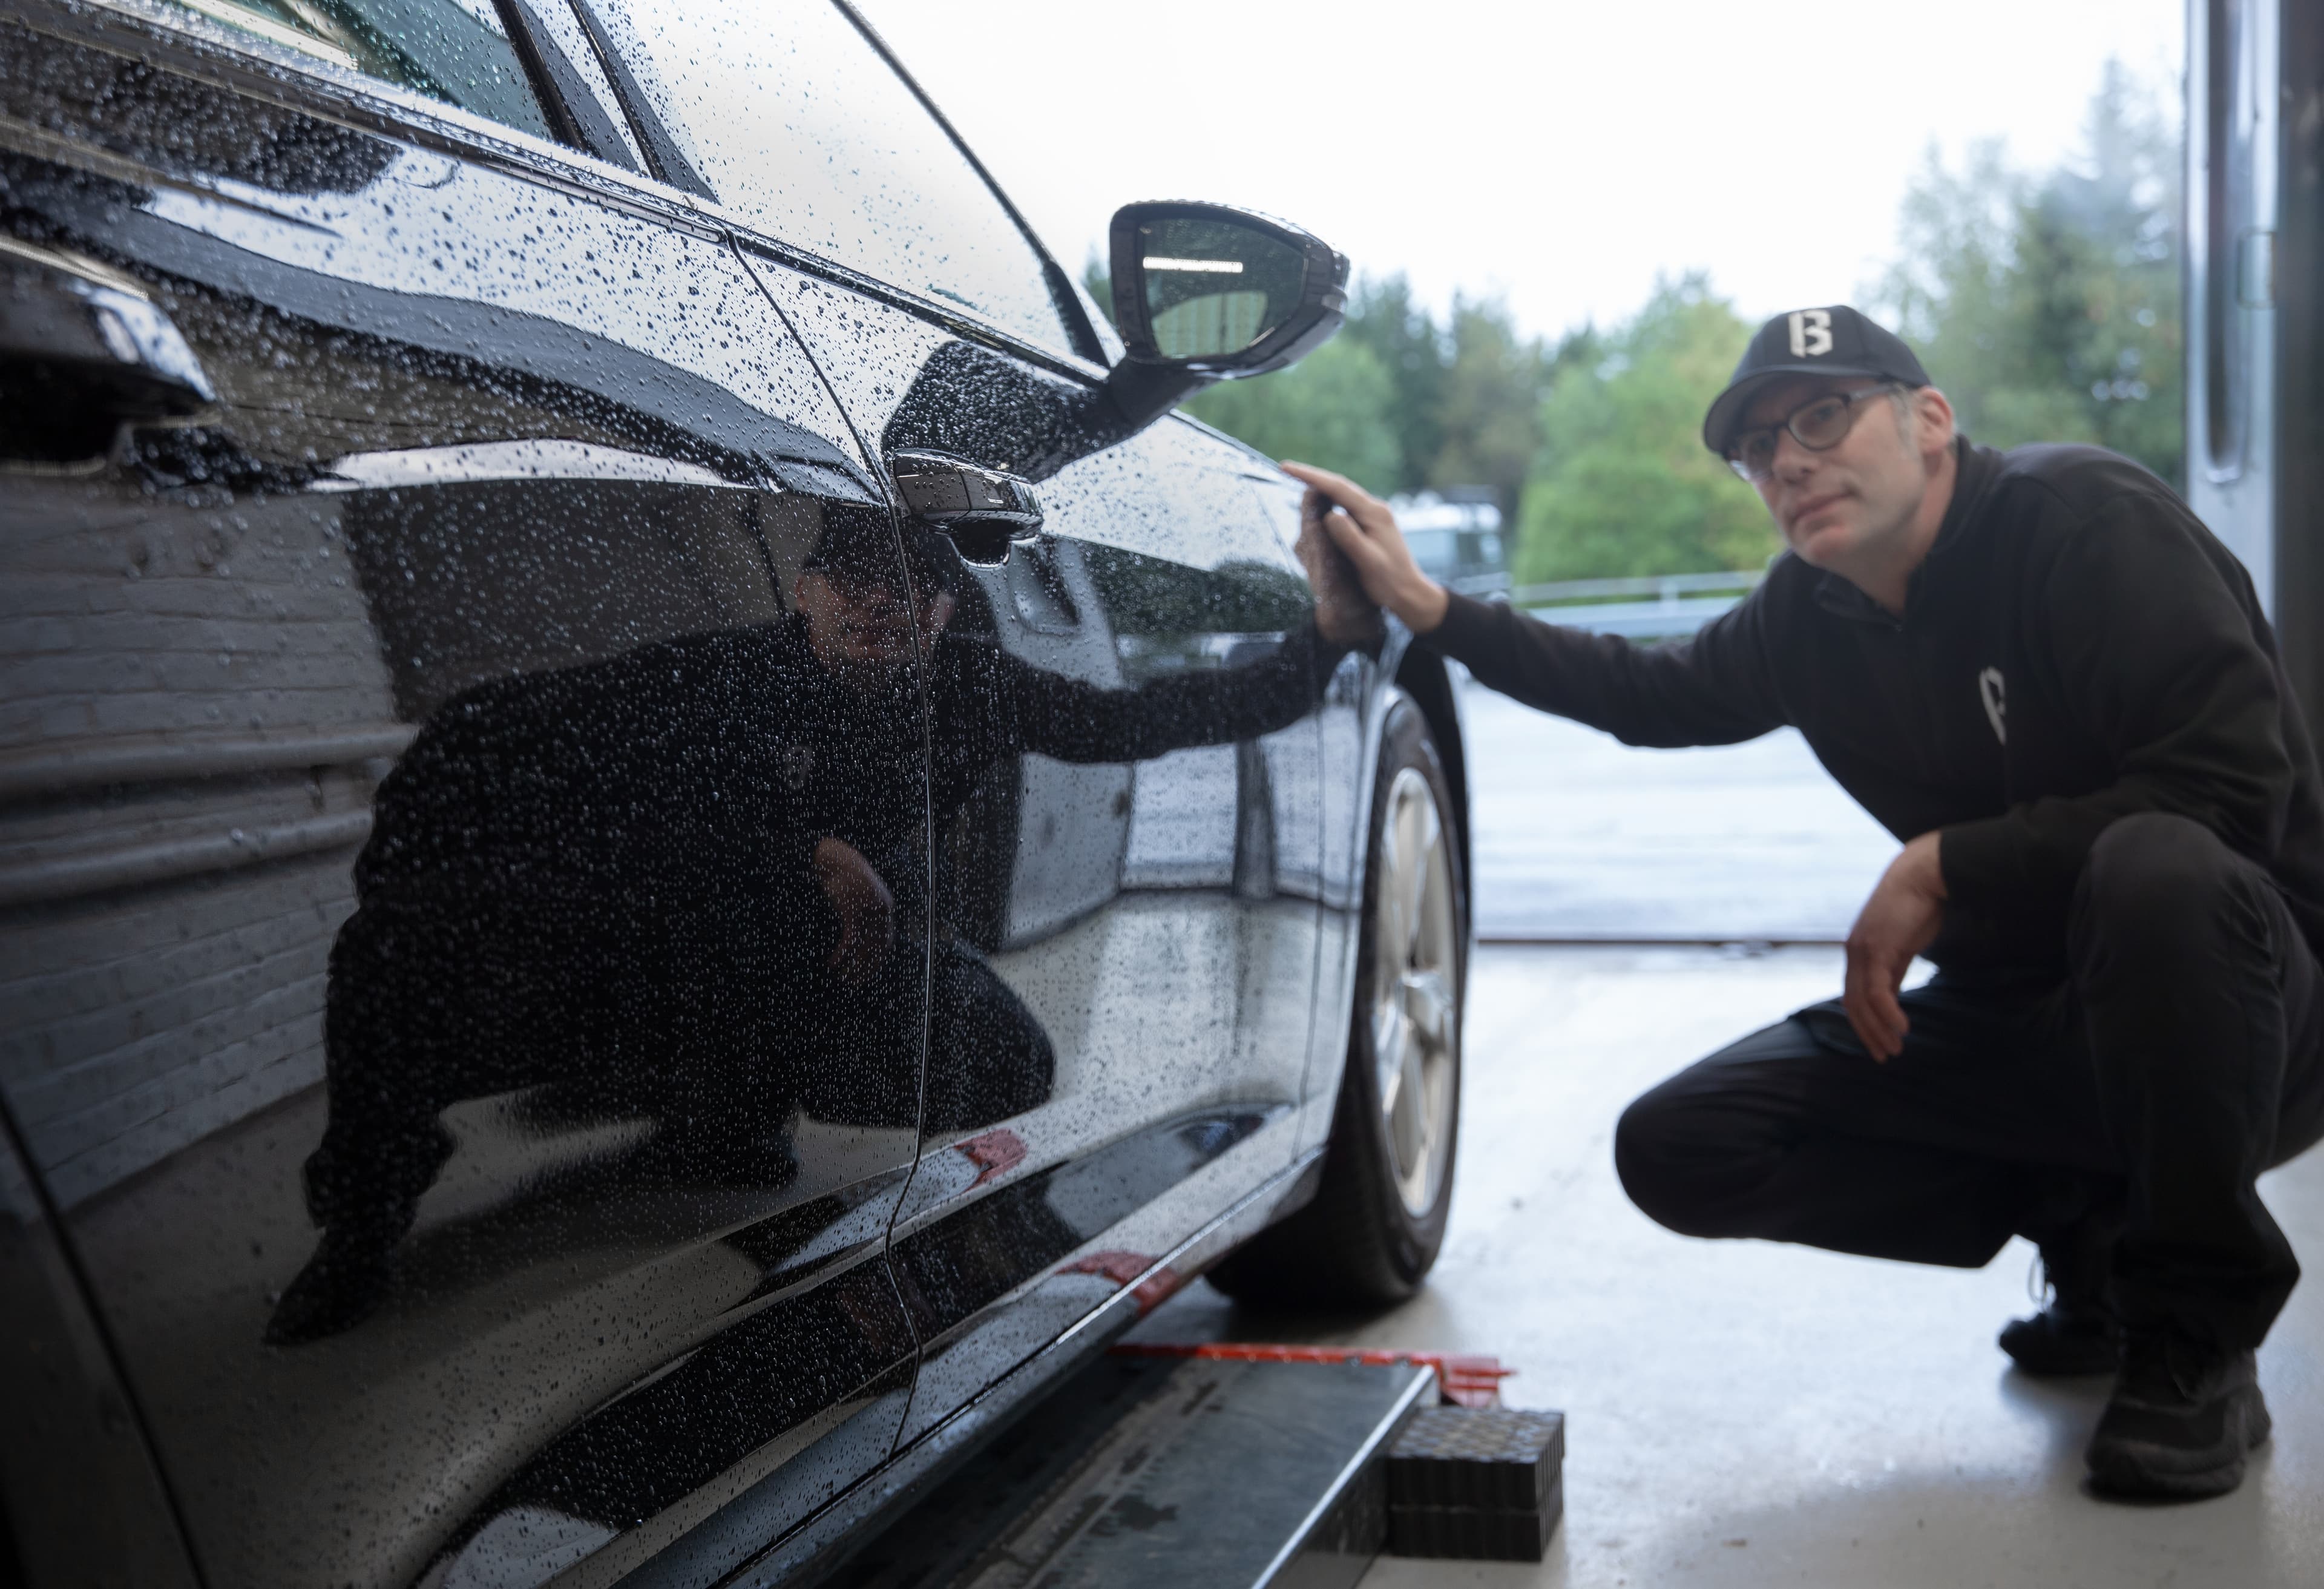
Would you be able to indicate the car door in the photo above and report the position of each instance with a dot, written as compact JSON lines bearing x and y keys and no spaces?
{"x":1126,"y":935}
{"x":430,"y":827}
{"x":1336,"y":820}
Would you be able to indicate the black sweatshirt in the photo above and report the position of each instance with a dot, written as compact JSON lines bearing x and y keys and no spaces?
{"x":2076,"y":647}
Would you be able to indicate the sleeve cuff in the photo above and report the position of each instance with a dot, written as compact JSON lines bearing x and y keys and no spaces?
{"x":1468,"y":623}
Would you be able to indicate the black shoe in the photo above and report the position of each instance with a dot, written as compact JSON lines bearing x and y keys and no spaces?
{"x":2075,"y":1332}
{"x":2060,"y":1343}
{"x":342,"y":1285}
{"x":2184,"y":1417}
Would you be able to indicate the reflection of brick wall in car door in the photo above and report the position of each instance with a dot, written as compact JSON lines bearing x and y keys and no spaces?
{"x":196,"y":715}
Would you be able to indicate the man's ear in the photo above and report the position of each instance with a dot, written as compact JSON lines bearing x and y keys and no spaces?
{"x":940,"y":612}
{"x":1932,"y":414}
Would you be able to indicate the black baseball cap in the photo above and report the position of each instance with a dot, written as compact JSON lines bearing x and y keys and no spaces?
{"x":1835,"y":340}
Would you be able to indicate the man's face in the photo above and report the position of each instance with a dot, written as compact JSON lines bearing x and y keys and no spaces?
{"x":859,"y":626}
{"x":1836,"y":506}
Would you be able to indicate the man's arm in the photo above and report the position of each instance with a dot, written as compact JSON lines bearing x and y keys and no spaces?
{"x":1074,"y":720}
{"x":1710,"y":689}
{"x":2156,"y":657}
{"x":1900,"y":919}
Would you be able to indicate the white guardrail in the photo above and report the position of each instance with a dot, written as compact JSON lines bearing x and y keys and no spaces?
{"x":1680,"y":604}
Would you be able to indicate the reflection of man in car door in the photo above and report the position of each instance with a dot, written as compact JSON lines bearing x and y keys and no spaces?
{"x":687,"y":884}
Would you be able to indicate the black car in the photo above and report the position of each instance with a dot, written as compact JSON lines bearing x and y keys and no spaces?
{"x":663,"y":840}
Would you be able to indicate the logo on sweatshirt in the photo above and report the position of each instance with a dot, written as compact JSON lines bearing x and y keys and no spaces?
{"x":1994,"y":694}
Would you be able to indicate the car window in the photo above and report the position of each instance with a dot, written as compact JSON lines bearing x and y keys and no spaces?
{"x":796,"y":122}
{"x":578,"y":71}
{"x":449,"y":50}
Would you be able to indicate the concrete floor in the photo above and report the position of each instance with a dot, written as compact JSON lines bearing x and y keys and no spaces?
{"x":1743,"y":1413}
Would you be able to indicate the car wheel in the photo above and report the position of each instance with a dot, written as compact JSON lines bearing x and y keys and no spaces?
{"x":1377,"y":1217}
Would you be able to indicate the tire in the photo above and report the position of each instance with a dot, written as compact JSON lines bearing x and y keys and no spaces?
{"x":1377,"y":1218}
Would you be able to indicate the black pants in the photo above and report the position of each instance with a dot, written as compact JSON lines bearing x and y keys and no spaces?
{"x":2182,"y":1056}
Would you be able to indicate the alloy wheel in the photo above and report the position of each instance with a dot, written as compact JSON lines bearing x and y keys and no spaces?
{"x":1414,"y":1011}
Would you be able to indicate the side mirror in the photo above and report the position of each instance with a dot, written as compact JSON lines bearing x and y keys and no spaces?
{"x":1202,"y":292}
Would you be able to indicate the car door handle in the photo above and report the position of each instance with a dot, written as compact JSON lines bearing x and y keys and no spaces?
{"x":983,"y":511}
{"x":86,"y":349}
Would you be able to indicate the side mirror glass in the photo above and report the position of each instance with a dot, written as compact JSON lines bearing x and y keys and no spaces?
{"x":1221,"y":293}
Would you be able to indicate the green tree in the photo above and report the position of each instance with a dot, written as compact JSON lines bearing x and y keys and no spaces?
{"x":1412,"y":348}
{"x":1488,"y":409}
{"x":1396,"y":401}
{"x":1622,"y":484}
{"x":1330,"y":408}
{"x":2047,"y":307}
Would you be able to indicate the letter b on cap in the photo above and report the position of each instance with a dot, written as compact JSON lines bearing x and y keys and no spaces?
{"x":1811,"y":332}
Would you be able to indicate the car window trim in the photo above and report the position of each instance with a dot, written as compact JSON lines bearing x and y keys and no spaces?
{"x":156,"y":36}
{"x":564,"y":125}
{"x":248,"y":65}
{"x":664,"y":158}
{"x":1066,"y":304}
{"x":538,"y":52}
{"x":209,"y":25}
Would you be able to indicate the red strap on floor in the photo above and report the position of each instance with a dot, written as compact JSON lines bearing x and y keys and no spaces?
{"x":1464,"y":1378}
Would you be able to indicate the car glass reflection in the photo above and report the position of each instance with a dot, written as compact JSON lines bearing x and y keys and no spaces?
{"x":1214,"y":288}
{"x":456,"y":51}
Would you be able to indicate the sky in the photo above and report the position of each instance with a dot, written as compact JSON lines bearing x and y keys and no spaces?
{"x":1561,"y":154}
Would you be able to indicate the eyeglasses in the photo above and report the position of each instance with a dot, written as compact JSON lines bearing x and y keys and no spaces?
{"x":1820,"y":424}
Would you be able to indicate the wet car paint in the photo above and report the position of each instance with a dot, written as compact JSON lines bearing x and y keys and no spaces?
{"x":1166,"y":908}
{"x":429,"y":1038}
{"x":492,"y":501}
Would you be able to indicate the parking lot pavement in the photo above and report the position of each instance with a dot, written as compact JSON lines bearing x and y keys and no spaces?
{"x":1578,"y":836}
{"x":1743,"y":1413}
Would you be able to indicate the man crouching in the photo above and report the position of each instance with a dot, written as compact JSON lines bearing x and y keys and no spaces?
{"x":2042,"y":675}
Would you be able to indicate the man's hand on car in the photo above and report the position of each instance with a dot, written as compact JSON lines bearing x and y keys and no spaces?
{"x":1897,"y":922}
{"x":1364,"y":529}
{"x":865,"y":909}
{"x":1344,"y":614}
